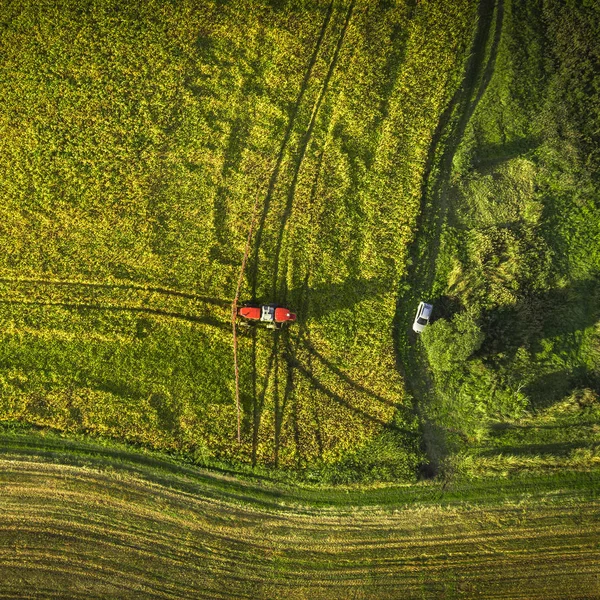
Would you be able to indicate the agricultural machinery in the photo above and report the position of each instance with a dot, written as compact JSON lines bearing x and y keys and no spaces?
{"x":272,"y":315}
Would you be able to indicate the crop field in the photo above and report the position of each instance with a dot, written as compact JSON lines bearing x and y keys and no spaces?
{"x":135,"y":139}
{"x":76,"y":518}
{"x":382,"y":153}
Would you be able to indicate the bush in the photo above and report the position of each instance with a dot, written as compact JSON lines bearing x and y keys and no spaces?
{"x":449,"y":343}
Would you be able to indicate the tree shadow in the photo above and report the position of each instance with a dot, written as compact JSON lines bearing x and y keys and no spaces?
{"x":536,"y":317}
{"x":489,"y":156}
{"x":84,"y":307}
{"x":551,"y":387}
{"x":500,"y":428}
{"x":553,"y":448}
{"x":550,"y":320}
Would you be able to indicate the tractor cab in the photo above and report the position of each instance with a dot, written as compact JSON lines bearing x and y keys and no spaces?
{"x":267,"y":313}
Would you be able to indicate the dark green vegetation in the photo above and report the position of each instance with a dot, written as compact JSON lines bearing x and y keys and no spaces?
{"x":134,"y":140}
{"x":510,"y":251}
{"x":84,"y":521}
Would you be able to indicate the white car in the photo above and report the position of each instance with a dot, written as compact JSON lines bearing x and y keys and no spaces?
{"x":422,"y":317}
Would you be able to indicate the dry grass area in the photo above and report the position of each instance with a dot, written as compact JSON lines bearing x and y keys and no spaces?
{"x":75,"y":531}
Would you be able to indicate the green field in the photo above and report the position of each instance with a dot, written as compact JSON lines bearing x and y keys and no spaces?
{"x":395,"y":151}
{"x":510,"y":253}
{"x":135,"y":140}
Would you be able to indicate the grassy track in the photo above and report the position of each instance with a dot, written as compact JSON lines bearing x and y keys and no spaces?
{"x":134,"y":140}
{"x":79,"y":523}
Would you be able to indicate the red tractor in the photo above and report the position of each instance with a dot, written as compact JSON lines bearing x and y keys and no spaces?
{"x":272,"y":315}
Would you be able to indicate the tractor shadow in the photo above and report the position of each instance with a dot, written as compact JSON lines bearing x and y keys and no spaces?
{"x":326,"y":298}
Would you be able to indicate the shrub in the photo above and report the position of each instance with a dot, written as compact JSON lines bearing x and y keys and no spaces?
{"x":450,"y":343}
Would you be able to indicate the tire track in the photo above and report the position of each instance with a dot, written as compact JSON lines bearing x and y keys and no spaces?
{"x":433,"y":212}
{"x":254,"y":256}
{"x":281,"y":293}
{"x":306,"y":139}
{"x":284,"y":143}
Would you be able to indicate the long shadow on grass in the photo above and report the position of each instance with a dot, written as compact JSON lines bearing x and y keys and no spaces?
{"x":237,"y":141}
{"x":254,"y":260}
{"x":536,"y":317}
{"x":432,"y":215}
{"x":491,"y":155}
{"x":338,"y":399}
{"x":205,"y":320}
{"x":345,"y":378}
{"x":119,"y":286}
{"x":314,"y":303}
{"x":258,"y":402}
{"x":223,"y":250}
{"x":554,"y":449}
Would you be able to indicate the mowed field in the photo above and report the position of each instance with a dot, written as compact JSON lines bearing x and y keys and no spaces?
{"x":134,"y":141}
{"x":82,"y":521}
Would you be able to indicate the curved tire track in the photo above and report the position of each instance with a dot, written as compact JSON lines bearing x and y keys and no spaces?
{"x":424,"y":249}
